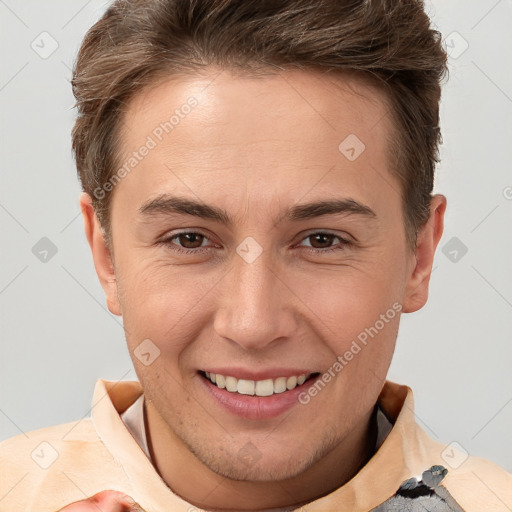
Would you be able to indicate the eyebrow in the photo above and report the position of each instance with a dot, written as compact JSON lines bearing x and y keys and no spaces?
{"x":169,"y":205}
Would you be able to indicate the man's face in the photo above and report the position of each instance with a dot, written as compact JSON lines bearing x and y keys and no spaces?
{"x":268,"y":294}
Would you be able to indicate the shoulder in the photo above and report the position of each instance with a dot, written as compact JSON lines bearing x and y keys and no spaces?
{"x":474,"y":483}
{"x":40,"y":470}
{"x":41,"y":446}
{"x":477,"y":484}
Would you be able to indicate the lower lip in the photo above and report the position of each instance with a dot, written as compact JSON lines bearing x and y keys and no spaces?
{"x":256,"y":407}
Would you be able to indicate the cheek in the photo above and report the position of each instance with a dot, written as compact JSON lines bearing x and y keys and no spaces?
{"x":171,"y":304}
{"x":162,"y":302}
{"x":357,"y":314}
{"x":348,"y":301}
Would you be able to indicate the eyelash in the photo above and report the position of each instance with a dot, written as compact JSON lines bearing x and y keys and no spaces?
{"x":168,"y":242}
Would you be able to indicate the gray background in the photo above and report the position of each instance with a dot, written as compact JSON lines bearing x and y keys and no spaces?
{"x":58,"y":337}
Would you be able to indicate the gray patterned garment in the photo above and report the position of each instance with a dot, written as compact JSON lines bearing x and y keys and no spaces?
{"x":425,"y":495}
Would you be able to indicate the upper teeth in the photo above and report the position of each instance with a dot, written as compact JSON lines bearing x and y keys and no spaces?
{"x":265,"y":387}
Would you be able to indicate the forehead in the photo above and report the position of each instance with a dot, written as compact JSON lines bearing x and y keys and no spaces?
{"x":239,"y":106}
{"x":282,"y":133}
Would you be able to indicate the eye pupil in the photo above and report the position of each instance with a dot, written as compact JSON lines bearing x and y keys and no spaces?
{"x":327,"y":239}
{"x":188,"y":238}
{"x":192,"y":240}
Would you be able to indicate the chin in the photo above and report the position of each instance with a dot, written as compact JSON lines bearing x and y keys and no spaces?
{"x":260,"y":468}
{"x":257,"y":473}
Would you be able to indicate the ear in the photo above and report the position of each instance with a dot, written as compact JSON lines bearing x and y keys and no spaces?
{"x":416,"y":292}
{"x":100,"y":253}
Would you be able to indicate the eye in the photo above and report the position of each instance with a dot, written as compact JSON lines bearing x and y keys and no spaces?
{"x":188,"y":242}
{"x":321,"y":242}
{"x":193,"y":242}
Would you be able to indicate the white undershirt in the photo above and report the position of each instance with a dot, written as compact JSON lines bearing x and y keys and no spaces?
{"x":133,"y":418}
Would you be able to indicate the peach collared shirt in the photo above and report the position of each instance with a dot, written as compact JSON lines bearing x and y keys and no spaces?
{"x":49,"y":468}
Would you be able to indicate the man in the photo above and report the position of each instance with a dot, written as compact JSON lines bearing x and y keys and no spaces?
{"x":258,"y":202}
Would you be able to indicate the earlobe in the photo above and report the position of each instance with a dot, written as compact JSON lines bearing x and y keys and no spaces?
{"x":416,"y":293}
{"x":101,"y":254}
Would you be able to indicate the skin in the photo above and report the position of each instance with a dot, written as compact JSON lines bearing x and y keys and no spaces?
{"x":256,"y":147}
{"x":105,"y":501}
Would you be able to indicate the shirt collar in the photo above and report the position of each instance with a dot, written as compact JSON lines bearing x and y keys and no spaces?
{"x":402,"y":454}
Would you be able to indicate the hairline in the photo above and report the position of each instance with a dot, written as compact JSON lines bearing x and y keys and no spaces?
{"x":346,"y":77}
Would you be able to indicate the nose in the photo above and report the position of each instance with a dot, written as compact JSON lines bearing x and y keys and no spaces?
{"x":255,"y":306}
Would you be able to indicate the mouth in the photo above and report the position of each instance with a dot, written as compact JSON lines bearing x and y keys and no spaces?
{"x":267,"y":395}
{"x":258,"y":388}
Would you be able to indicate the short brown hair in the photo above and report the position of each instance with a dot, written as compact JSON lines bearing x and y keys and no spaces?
{"x":136,"y":43}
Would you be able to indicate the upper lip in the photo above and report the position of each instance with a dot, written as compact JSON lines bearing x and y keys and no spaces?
{"x":270,"y":373}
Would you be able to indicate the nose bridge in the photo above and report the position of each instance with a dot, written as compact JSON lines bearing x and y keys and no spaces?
{"x":252,"y":311}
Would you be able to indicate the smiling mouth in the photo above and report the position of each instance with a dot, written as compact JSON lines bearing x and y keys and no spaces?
{"x":261,"y":388}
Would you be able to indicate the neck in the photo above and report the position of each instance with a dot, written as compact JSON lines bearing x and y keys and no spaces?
{"x":190,"y":479}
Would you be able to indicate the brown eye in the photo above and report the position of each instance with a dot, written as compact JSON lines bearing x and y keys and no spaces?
{"x":187,"y":242}
{"x":190,"y":240}
{"x":321,"y":240}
